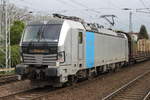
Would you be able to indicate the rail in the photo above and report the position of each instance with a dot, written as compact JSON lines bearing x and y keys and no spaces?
{"x":147,"y":96}
{"x":8,"y":79}
{"x":111,"y":95}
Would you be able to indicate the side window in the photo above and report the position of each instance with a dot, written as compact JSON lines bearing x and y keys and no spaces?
{"x":80,"y":37}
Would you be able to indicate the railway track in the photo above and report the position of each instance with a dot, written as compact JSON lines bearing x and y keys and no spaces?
{"x":43,"y":93}
{"x":28,"y":95}
{"x":147,"y":97}
{"x":34,"y":93}
{"x":8,"y":79}
{"x":13,"y":88}
{"x":137,"y":89}
{"x":40,"y":93}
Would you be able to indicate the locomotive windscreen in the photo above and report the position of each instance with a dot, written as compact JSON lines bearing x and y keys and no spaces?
{"x":51,"y":32}
{"x":48,"y":32}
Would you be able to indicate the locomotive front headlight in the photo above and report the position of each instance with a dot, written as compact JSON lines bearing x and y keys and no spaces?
{"x":61,"y":57}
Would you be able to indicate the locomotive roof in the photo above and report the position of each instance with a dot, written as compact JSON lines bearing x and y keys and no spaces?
{"x":78,"y":24}
{"x":107,"y":31}
{"x":48,"y":21}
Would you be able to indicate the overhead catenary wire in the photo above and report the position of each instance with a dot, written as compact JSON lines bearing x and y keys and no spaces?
{"x":78,"y":7}
{"x":141,"y":22}
{"x":27,"y":5}
{"x":143,"y":3}
{"x":69,"y":4}
{"x":86,"y":9}
{"x":84,"y":6}
{"x":65,"y":3}
{"x":114,"y":5}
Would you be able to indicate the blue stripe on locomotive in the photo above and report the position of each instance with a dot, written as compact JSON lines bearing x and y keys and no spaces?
{"x":90,"y":38}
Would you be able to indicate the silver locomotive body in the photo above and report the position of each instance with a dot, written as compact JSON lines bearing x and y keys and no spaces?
{"x":58,"y":51}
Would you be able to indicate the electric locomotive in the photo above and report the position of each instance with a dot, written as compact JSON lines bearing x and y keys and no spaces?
{"x":65,"y":49}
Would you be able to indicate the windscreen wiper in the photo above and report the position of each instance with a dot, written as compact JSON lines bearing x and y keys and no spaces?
{"x":39,"y":33}
{"x":44,"y":29}
{"x":42,"y":33}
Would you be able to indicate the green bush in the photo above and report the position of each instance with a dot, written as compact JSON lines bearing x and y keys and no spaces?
{"x":2,"y":59}
{"x":15,"y":56}
{"x":16,"y":32}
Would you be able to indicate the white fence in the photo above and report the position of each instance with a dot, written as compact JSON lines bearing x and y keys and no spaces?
{"x":7,"y":69}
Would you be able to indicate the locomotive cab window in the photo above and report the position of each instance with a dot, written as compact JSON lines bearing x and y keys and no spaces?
{"x":80,"y":37}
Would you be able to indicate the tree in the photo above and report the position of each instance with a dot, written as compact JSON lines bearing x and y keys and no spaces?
{"x":143,"y":33}
{"x":16,"y":32}
{"x":15,"y":56}
{"x":16,"y":13}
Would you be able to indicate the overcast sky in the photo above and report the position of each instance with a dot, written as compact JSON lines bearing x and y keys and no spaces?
{"x":91,"y":10}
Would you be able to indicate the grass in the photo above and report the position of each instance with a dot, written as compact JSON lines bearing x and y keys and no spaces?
{"x":7,"y":72}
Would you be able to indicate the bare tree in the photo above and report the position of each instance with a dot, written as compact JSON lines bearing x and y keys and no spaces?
{"x":16,"y":13}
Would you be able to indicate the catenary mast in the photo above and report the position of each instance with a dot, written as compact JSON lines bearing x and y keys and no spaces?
{"x":5,"y":34}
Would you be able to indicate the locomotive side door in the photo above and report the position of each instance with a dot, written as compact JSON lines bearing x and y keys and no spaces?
{"x":80,"y":47}
{"x":77,"y":47}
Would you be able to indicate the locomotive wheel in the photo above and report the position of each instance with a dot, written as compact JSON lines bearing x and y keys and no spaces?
{"x":91,"y":75}
{"x":72,"y":80}
{"x":117,"y":67}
